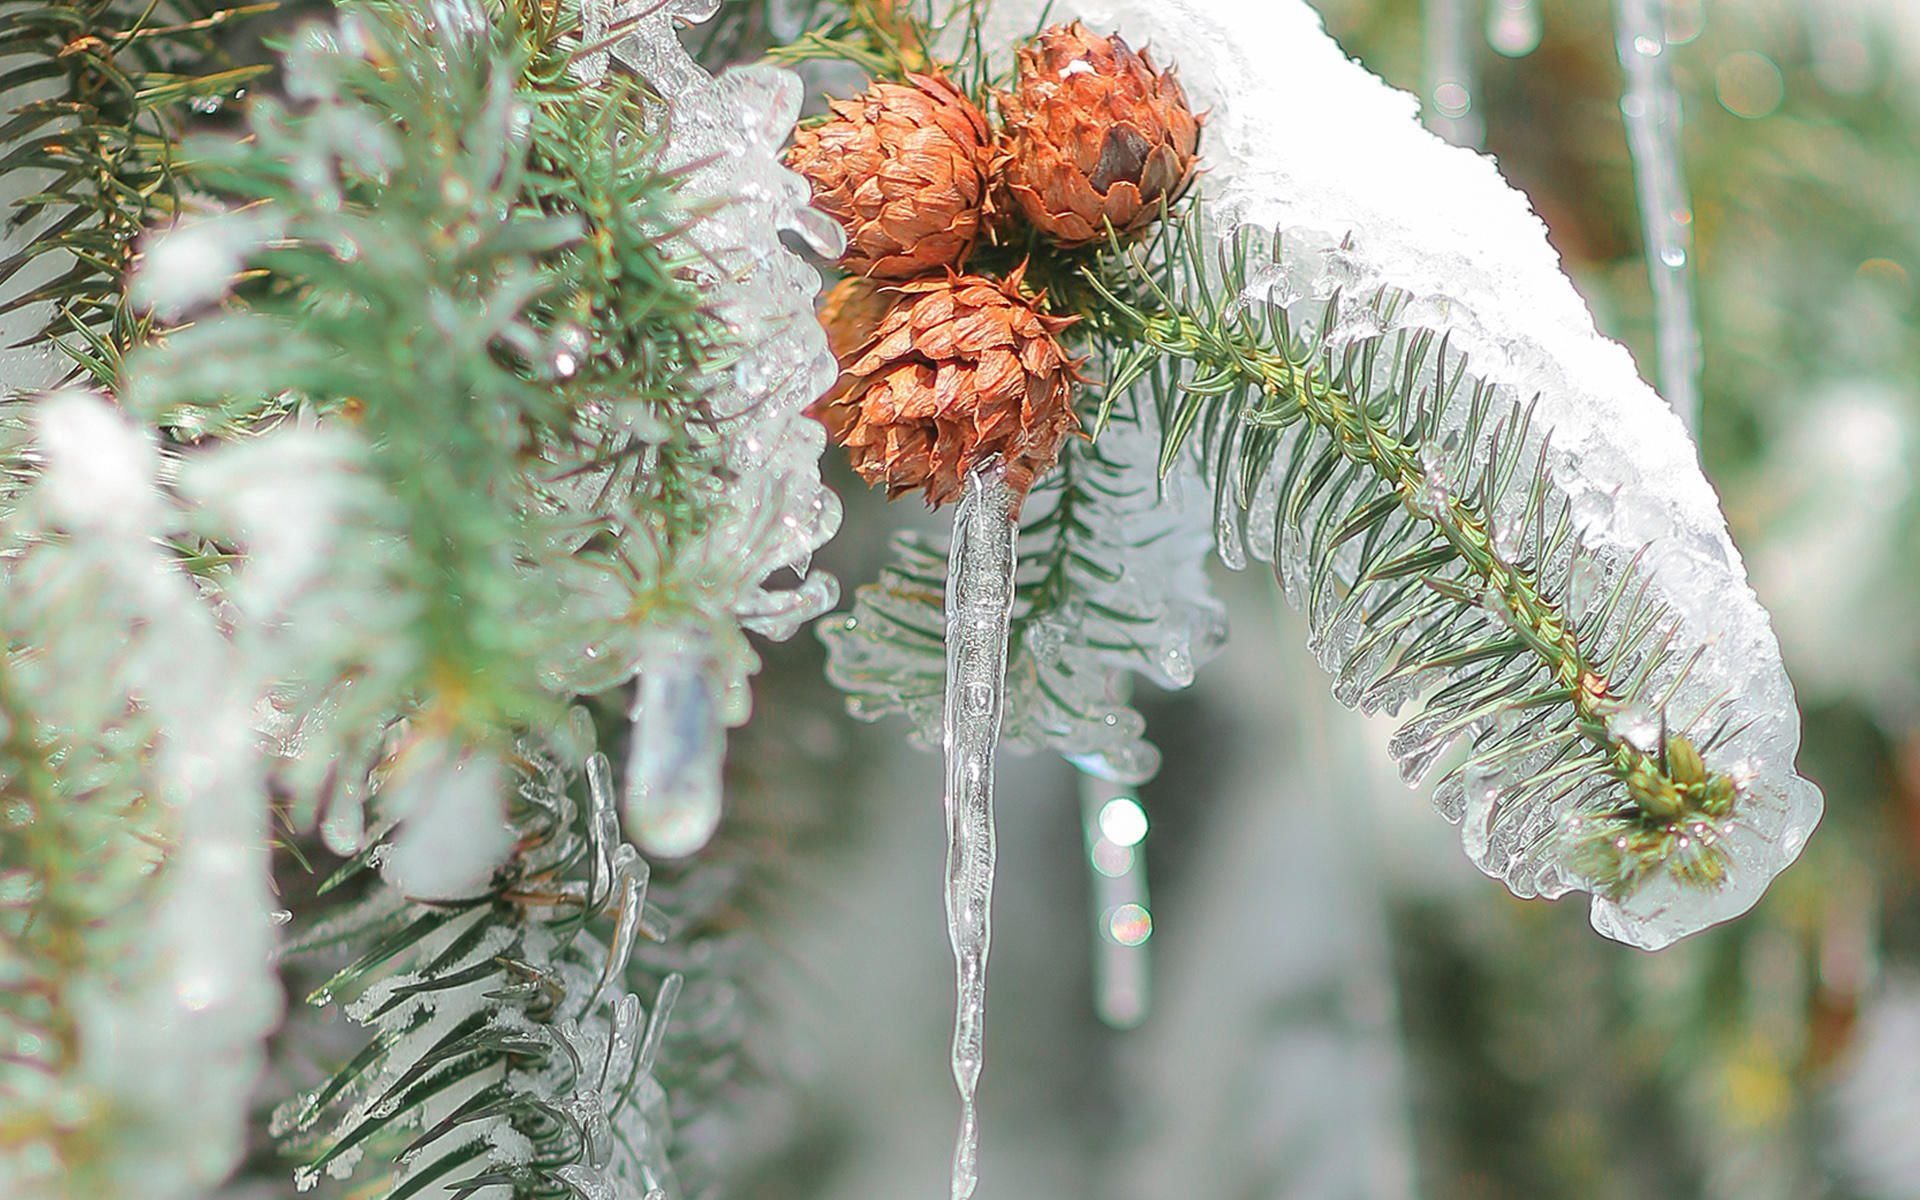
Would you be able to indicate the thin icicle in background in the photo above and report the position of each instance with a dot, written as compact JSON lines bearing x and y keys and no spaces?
{"x":1651,"y":108}
{"x":1514,"y":27}
{"x":1452,"y":38}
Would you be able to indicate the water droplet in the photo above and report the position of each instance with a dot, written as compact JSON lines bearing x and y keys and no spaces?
{"x":1646,"y":45}
{"x":566,"y":351}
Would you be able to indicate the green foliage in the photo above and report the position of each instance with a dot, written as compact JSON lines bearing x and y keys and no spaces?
{"x":890,"y":40}
{"x":1393,"y":529}
{"x":94,"y":148}
{"x":506,"y":1016}
{"x":462,"y":266}
{"x":79,"y":842}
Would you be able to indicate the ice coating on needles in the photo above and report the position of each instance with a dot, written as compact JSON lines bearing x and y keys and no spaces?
{"x":723,"y":134}
{"x":1473,"y":262}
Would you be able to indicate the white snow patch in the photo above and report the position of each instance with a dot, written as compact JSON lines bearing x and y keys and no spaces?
{"x":455,"y":831}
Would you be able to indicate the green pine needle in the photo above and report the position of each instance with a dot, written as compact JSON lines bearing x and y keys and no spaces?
{"x":1413,"y":576}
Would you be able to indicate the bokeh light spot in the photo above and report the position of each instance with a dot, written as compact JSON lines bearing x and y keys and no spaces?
{"x":1111,"y":860}
{"x":1123,"y":822}
{"x":1452,"y":99}
{"x":1883,"y":270}
{"x":1130,"y":924}
{"x":1748,"y":84}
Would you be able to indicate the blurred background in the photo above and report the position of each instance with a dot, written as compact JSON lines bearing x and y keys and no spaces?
{"x":1341,"y":1005}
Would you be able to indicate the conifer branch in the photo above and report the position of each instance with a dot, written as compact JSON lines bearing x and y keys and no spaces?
{"x":100,"y":148}
{"x":506,"y":1016}
{"x":1419,"y":570}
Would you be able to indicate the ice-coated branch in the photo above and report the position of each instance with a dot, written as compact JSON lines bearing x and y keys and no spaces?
{"x":1650,"y":106}
{"x":979,"y":602}
{"x":723,"y":135}
{"x":1470,"y":491}
{"x":507,"y":1045}
{"x":130,"y":724}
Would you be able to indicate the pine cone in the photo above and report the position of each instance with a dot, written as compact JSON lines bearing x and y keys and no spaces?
{"x":960,"y":369}
{"x":1093,"y":136}
{"x":904,"y":169}
{"x":850,"y":312}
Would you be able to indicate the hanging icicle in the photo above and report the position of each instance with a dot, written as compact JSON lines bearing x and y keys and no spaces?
{"x":1451,"y":39}
{"x":979,"y":607}
{"x":1652,"y":111}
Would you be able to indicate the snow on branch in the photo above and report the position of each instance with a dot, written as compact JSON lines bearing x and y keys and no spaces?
{"x":1425,"y":431}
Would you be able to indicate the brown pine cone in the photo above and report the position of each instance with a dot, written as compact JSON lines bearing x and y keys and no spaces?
{"x":1093,"y":136}
{"x":850,"y":311}
{"x":904,"y":169}
{"x":960,"y":369}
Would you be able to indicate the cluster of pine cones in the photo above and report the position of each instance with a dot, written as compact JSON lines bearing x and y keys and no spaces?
{"x":940,"y":369}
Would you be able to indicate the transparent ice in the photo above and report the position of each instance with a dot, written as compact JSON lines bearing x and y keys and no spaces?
{"x":673,"y":758}
{"x":980,"y":584}
{"x":1473,"y":262}
{"x":724,"y":134}
{"x":1651,"y":107}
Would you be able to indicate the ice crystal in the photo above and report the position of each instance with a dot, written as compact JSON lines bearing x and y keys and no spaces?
{"x":723,"y":135}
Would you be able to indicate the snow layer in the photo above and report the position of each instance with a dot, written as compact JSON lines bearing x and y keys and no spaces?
{"x":1303,"y":141}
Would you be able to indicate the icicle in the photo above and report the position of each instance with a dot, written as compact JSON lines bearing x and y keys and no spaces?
{"x":1450,"y":43}
{"x":674,"y":758}
{"x":1652,"y":111}
{"x":1115,"y":825}
{"x":979,"y":607}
